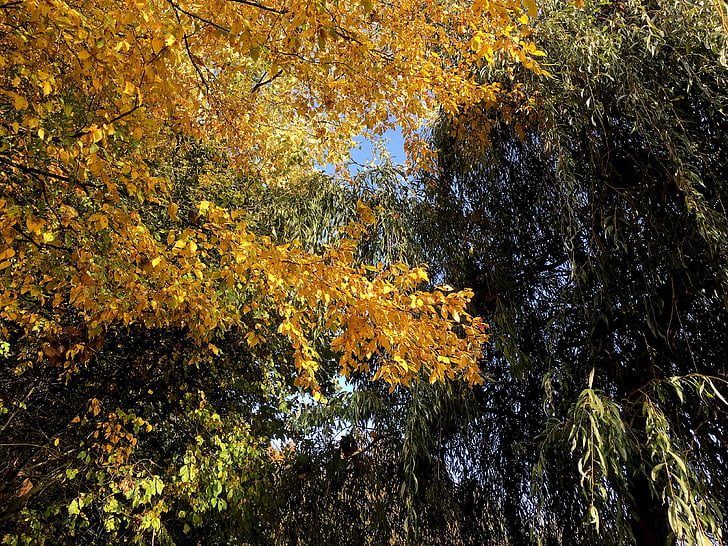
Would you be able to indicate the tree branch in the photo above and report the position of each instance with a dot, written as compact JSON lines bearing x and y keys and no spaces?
{"x":260,"y":6}
{"x":32,"y":170}
{"x":199,"y":18}
{"x":262,"y":82}
{"x":38,"y":245}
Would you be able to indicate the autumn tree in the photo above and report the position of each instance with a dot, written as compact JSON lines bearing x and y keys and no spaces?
{"x":151,"y":325}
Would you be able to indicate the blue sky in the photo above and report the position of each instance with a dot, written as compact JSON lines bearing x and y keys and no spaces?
{"x":363,"y":154}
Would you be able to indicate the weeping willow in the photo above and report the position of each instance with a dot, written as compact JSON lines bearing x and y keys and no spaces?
{"x":592,"y":226}
{"x":589,"y":218}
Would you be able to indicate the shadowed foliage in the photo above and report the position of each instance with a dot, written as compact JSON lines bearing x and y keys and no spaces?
{"x":595,"y":240}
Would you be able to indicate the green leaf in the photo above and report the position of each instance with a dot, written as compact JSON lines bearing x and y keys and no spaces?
{"x":74,"y":508}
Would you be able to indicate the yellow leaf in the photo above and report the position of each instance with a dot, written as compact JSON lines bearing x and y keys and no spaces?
{"x":19,"y":102}
{"x":158,"y":44}
{"x":172,"y":209}
{"x":365,"y":213}
{"x":7,"y":253}
{"x":34,"y":224}
{"x":251,"y":338}
{"x":99,"y":220}
{"x":532,"y":8}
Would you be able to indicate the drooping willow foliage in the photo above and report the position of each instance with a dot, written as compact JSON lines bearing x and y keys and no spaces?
{"x":595,"y":236}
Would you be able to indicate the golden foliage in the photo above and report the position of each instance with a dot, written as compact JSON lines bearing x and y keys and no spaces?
{"x":90,"y":95}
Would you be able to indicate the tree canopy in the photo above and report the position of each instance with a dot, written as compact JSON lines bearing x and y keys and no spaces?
{"x":154,"y":325}
{"x":594,"y":238}
{"x":205,"y":340}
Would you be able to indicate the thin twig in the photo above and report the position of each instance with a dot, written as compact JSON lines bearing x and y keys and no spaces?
{"x":198,"y":17}
{"x":261,"y":83}
{"x":32,"y":170}
{"x":194,"y":63}
{"x":260,"y":6}
{"x":79,"y":134}
{"x":38,"y":245}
